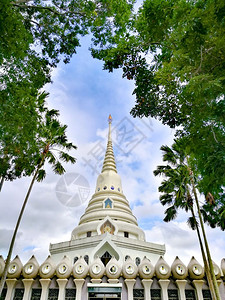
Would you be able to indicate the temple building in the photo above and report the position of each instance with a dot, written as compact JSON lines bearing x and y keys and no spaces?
{"x":108,"y":257}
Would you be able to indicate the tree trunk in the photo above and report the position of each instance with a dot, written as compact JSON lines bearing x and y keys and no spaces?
{"x":2,"y":282}
{"x":208,"y":275}
{"x":1,"y":182}
{"x":211,"y":268}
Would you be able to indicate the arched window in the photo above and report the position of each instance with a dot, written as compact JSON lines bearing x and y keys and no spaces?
{"x":126,"y":257}
{"x":86,"y":258}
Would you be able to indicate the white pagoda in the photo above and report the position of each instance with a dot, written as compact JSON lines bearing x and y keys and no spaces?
{"x":108,"y":227}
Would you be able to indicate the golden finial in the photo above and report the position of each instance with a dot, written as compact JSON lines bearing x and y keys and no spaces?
{"x":110,"y":119}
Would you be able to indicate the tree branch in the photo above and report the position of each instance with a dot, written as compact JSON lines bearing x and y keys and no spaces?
{"x":32,"y":21}
{"x":24,"y":1}
{"x":49,"y":9}
{"x":214,"y":135}
{"x":199,"y":68}
{"x":20,"y":1}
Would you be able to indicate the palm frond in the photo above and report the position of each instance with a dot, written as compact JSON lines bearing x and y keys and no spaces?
{"x":166,"y":199}
{"x":66,"y":157}
{"x":55,"y":125}
{"x":51,"y":157}
{"x":179,"y":148}
{"x":168,"y":155}
{"x":180,"y":194}
{"x":70,"y":146}
{"x":61,"y":140}
{"x":52,"y":113}
{"x":58,"y":168}
{"x":162,"y":170}
{"x":192,"y":222}
{"x":41,"y":175}
{"x":170,"y":213}
{"x":166,"y":186}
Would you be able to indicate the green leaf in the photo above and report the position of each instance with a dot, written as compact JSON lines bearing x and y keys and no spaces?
{"x":41,"y":175}
{"x":170,"y":213}
{"x":66,"y":157}
{"x":166,"y":199}
{"x":192,"y":222}
{"x":58,"y":168}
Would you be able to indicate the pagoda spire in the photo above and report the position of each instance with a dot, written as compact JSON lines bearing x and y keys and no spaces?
{"x":109,"y":163}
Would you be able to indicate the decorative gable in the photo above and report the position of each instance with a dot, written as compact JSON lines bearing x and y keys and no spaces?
{"x":107,"y":226}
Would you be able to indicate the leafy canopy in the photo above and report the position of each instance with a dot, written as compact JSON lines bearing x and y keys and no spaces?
{"x":46,"y":32}
{"x":174,"y":51}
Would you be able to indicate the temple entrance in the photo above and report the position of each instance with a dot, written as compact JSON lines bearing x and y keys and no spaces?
{"x":104,"y":293}
{"x":95,"y":296}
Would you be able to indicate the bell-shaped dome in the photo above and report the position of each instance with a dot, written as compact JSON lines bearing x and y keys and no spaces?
{"x":30,"y":269}
{"x":64,"y":268}
{"x":196,"y":271}
{"x":178,"y":268}
{"x":162,"y":269}
{"x":146,"y":269}
{"x":47,"y":269}
{"x":130,"y":269}
{"x":113,"y":269}
{"x":97,"y":269}
{"x":80,"y":268}
{"x":15,"y":268}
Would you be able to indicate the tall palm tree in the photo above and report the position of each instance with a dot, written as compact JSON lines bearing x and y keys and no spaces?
{"x":179,"y":192}
{"x":53,"y":144}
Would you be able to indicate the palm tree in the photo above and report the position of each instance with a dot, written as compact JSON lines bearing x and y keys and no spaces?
{"x":53,"y":144}
{"x":179,"y":192}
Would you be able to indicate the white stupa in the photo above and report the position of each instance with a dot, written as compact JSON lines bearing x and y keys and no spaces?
{"x":108,"y":227}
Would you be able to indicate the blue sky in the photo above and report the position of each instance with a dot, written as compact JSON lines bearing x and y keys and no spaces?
{"x":85,"y":96}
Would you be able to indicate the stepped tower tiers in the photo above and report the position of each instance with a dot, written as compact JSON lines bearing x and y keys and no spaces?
{"x":108,"y":226}
{"x":108,"y":206}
